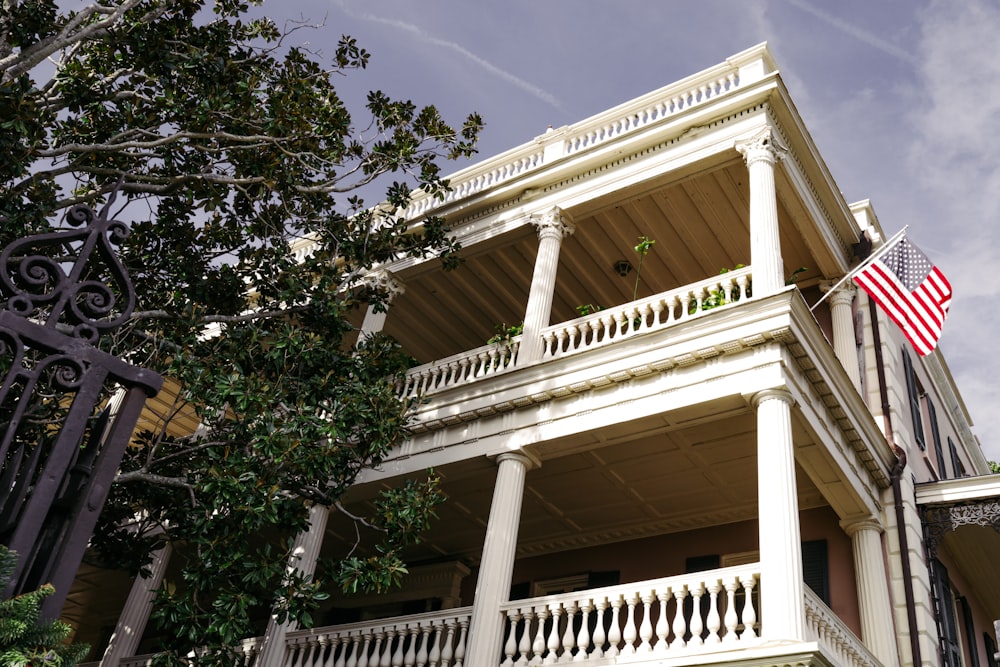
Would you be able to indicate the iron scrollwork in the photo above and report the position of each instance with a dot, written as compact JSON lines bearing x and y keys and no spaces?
{"x":61,"y":436}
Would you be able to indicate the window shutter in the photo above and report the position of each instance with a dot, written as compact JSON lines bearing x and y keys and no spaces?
{"x":936,"y":438}
{"x":815,"y":568}
{"x":914,"y":395}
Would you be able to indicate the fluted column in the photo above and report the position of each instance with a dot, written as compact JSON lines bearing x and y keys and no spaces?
{"x":873,"y":589}
{"x":844,"y":343}
{"x":761,"y":153}
{"x":375,"y":317}
{"x":552,"y":226}
{"x":497,"y":565}
{"x":305,"y":551}
{"x":132,"y":621}
{"x":781,"y":585}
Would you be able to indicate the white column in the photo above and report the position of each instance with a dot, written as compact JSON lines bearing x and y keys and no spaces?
{"x":873,"y":589}
{"x":761,"y":153}
{"x":781,"y":586}
{"x":497,"y":565}
{"x":552,"y":227}
{"x":132,"y":622}
{"x":375,"y":319}
{"x":844,"y":344}
{"x":305,"y":551}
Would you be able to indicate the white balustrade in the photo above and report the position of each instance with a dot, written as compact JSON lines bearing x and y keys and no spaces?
{"x":613,"y":124}
{"x":657,"y":617}
{"x":436,"y":639}
{"x":656,"y":312}
{"x":583,"y":333}
{"x":825,"y":628}
{"x":460,"y":369}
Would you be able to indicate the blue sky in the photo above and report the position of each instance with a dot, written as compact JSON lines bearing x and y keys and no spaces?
{"x":901,"y":97}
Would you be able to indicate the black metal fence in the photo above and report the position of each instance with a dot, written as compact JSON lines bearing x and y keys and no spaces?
{"x":67,"y":408}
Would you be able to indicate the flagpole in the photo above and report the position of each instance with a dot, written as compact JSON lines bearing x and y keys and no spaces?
{"x":871,"y":258}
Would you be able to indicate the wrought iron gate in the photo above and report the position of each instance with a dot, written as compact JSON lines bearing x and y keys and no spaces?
{"x":62,"y":439}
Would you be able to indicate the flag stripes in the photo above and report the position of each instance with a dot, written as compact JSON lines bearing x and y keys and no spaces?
{"x":913,"y":293}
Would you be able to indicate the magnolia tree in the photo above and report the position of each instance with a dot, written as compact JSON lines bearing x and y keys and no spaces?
{"x":227,"y":146}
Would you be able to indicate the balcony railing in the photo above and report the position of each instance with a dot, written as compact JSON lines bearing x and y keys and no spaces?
{"x":604,"y":327}
{"x":715,"y":609}
{"x":627,"y":119}
{"x":823,"y":627}
{"x":681,"y":616}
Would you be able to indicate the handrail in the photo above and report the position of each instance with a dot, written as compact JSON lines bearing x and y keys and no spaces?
{"x":583,"y":333}
{"x":825,"y":628}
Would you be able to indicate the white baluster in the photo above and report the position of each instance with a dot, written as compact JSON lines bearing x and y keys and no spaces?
{"x":448,"y":648}
{"x":538,"y":645}
{"x":680,"y":624}
{"x":463,"y":627}
{"x":552,"y":644}
{"x":524,"y":644}
{"x":631,"y":631}
{"x":569,"y":637}
{"x":550,"y":348}
{"x":744,"y":283}
{"x":572,"y":338}
{"x":749,"y":613}
{"x":646,"y":628}
{"x":731,"y":619}
{"x":371,"y":656}
{"x":713,"y":614}
{"x":334,"y":642}
{"x":434,"y":645}
{"x":413,"y":637}
{"x":583,"y":638}
{"x":306,"y":655}
{"x":391,"y":657}
{"x":354,"y":658}
{"x":614,"y":631}
{"x":662,"y":627}
{"x":697,"y":622}
{"x":686,"y":309}
{"x":510,"y":646}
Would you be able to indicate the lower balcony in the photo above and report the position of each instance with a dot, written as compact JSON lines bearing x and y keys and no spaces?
{"x":710,"y":617}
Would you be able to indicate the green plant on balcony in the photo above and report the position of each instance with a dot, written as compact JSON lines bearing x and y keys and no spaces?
{"x":505,"y":333}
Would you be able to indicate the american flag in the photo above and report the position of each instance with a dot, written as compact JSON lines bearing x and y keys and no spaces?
{"x":911,"y":290}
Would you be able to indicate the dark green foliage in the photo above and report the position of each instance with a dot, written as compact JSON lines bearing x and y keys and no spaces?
{"x":231,"y":147}
{"x":24,"y":640}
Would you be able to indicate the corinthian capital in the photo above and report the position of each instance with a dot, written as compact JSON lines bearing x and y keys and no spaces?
{"x":552,"y":223}
{"x":765,"y":145}
{"x":384,"y":281}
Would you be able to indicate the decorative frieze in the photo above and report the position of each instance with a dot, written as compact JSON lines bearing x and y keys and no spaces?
{"x":939,"y":520}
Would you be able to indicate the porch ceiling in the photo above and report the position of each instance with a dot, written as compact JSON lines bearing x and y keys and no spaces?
{"x":646,"y":478}
{"x":699,"y":221}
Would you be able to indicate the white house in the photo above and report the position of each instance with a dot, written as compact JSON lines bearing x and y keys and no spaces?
{"x":704,"y":471}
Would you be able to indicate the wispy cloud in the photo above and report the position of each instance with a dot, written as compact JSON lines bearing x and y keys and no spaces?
{"x":856,"y":32}
{"x":455,"y":47}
